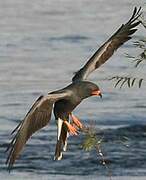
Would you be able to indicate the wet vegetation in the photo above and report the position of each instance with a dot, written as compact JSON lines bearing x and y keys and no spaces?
{"x":138,"y":60}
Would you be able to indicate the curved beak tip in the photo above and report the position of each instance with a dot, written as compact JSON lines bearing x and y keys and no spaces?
{"x":100,"y":95}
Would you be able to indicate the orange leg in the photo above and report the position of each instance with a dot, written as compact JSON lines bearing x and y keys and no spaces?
{"x":71,"y":129}
{"x":76,"y":121}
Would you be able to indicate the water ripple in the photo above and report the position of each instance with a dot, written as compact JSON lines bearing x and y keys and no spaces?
{"x":69,"y":39}
{"x":38,"y":154}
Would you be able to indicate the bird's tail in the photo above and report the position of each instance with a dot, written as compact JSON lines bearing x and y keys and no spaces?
{"x":61,"y":143}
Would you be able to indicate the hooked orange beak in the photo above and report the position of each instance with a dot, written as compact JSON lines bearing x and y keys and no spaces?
{"x":97,"y":93}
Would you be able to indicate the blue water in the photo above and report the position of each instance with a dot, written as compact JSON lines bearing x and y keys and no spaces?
{"x":42,"y":43}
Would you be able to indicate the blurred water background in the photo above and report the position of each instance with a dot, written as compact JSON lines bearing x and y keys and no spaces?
{"x":42,"y":43}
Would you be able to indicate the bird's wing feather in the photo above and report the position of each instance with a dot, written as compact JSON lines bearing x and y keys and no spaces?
{"x":37,"y":117}
{"x":122,"y":35}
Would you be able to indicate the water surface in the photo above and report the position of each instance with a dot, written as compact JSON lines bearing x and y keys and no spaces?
{"x":42,"y":43}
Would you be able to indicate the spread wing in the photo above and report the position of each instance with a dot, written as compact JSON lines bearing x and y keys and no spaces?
{"x":38,"y":117}
{"x":122,"y":35}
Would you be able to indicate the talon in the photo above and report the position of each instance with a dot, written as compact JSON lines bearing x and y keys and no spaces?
{"x":71,"y":129}
{"x":76,"y":121}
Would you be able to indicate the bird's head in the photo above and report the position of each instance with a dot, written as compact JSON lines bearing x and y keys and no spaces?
{"x":87,"y":89}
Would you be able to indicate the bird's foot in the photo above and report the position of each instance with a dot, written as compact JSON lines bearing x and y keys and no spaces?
{"x":76,"y":121}
{"x":72,"y":129}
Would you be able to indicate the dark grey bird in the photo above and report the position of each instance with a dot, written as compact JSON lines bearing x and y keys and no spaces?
{"x":65,"y":100}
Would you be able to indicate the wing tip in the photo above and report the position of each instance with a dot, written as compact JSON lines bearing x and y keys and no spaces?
{"x":9,"y":161}
{"x":9,"y":164}
{"x":135,"y":15}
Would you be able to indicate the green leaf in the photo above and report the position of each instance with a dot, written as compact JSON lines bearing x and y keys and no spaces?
{"x":133,"y":81}
{"x":140,"y":82}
